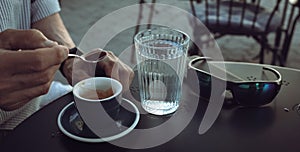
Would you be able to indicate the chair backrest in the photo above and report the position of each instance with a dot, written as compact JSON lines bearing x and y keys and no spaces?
{"x":288,"y":26}
{"x":256,"y":18}
{"x":238,"y":16}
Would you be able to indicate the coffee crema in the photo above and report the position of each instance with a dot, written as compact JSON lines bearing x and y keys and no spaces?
{"x":97,"y":94}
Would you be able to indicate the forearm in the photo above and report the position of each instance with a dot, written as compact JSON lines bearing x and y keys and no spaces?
{"x":53,"y":28}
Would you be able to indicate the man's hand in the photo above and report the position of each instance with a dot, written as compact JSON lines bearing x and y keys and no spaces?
{"x":12,"y":39}
{"x":111,"y":66}
{"x":28,"y":73}
{"x":115,"y":68}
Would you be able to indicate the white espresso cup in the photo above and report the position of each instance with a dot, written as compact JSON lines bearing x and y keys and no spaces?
{"x":92,"y":93}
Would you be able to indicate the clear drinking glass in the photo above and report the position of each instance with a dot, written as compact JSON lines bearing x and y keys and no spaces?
{"x":161,"y":61}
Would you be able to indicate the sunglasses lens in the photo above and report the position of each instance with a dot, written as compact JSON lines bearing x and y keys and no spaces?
{"x":255,"y":94}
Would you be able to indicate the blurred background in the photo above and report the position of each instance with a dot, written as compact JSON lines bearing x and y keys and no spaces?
{"x":79,"y":16}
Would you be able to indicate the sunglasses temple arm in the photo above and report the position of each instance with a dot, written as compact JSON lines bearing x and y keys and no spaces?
{"x":228,"y":74}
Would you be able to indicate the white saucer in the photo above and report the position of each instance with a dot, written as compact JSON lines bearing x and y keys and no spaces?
{"x":126,"y":116}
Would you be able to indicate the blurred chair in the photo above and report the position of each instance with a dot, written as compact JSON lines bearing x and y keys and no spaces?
{"x":252,"y":18}
{"x":151,"y":5}
{"x":289,"y":29}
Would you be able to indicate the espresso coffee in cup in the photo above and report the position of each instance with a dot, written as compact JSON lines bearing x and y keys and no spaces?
{"x":100,"y":94}
{"x":93,"y":92}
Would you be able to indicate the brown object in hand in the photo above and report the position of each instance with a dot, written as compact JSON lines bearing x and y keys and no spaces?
{"x":100,"y":94}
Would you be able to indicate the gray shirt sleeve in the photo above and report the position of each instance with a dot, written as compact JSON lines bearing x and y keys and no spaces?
{"x":43,"y":8}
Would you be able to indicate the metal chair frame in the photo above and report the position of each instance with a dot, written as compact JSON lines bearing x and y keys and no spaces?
{"x":283,"y":33}
{"x":288,"y":31}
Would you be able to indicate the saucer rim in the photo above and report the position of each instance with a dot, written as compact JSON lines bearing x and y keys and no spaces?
{"x":98,"y":140}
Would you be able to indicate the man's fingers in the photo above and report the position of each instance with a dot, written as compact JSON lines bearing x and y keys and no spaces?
{"x":118,"y":70}
{"x":32,"y":39}
{"x":48,"y":43}
{"x":16,"y":99}
{"x":24,"y":39}
{"x":34,"y":60}
{"x":125,"y":75}
{"x":27,"y":80}
{"x":13,"y":106}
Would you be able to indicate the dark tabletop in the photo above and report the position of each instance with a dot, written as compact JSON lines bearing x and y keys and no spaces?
{"x":274,"y":127}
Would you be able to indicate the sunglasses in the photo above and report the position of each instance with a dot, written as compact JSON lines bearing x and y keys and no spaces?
{"x":244,"y":93}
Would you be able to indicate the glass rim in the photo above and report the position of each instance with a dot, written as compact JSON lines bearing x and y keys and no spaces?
{"x":186,"y":38}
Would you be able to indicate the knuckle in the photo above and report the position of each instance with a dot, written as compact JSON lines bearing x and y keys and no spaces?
{"x":36,"y":36}
{"x":38,"y":62}
{"x":60,"y":53}
{"x":35,"y":32}
{"x":32,"y":38}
